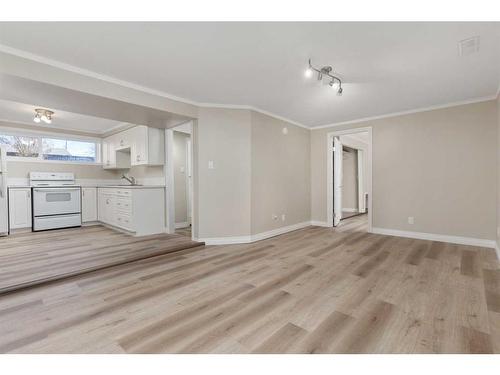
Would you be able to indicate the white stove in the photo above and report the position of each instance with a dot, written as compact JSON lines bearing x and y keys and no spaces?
{"x":56,"y":201}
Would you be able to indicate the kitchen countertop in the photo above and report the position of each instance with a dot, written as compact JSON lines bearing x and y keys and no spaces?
{"x":100,"y":186}
{"x":129,"y":186}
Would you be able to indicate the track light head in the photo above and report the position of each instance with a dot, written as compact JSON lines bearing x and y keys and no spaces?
{"x":43,"y":115}
{"x":326,"y":72}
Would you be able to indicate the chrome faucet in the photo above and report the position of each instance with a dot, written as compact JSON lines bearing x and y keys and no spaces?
{"x":129,"y":179}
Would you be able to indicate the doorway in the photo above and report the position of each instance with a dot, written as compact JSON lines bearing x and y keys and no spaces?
{"x":349,"y":186}
{"x":179,"y":174}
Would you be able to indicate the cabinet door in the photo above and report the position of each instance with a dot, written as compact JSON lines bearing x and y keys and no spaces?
{"x":139,"y":149}
{"x":107,"y":152}
{"x":105,"y":207}
{"x":20,"y":208}
{"x":89,"y":204}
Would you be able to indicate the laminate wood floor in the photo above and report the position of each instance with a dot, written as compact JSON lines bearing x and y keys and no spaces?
{"x":315,"y":290}
{"x":32,"y":258}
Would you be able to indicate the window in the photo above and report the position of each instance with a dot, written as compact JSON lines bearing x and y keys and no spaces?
{"x":64,"y":149}
{"x":20,"y":146}
{"x":33,"y":147}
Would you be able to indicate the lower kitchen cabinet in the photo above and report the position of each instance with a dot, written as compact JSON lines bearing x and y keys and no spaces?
{"x":140,"y":211}
{"x":89,"y":204}
{"x":19,"y":208}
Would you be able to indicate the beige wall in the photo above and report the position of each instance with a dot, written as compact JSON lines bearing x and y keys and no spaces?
{"x":180,"y":176}
{"x":223,"y":202}
{"x":21,"y":169}
{"x":498,"y":171}
{"x":435,"y":166}
{"x":280,"y":173}
{"x":350,"y":180}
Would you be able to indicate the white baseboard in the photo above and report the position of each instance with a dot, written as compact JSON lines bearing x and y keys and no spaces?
{"x":436,"y":237}
{"x":350,"y":210}
{"x":253,"y":238}
{"x":497,"y":248}
{"x":319,"y":223}
{"x":184,"y":224}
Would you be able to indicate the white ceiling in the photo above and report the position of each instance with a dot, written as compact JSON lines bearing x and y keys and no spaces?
{"x":386,"y":67}
{"x":24,"y":113}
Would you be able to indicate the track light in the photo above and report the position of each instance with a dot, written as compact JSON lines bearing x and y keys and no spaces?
{"x":43,"y":115}
{"x":326,"y":71}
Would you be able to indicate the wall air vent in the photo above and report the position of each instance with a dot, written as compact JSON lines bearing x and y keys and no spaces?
{"x":468,"y":46}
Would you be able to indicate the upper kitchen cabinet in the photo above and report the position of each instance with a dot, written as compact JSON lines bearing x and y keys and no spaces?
{"x":148,"y":146}
{"x":112,"y":158}
{"x":139,"y":145}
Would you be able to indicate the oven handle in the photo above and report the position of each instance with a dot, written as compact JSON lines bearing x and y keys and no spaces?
{"x":55,"y":190}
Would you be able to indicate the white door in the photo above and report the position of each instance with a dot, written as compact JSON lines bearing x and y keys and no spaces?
{"x":189,"y":180}
{"x":337,"y":181}
{"x":361,"y":181}
{"x":20,"y":208}
{"x":89,"y":204}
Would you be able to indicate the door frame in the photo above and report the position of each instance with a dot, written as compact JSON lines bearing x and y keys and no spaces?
{"x":169,"y":180}
{"x":329,"y":172}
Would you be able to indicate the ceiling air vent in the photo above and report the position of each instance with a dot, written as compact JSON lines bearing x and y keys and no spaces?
{"x":468,"y":46}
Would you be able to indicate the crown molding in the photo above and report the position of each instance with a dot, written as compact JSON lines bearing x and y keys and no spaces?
{"x":102,"y":77}
{"x":409,"y":112}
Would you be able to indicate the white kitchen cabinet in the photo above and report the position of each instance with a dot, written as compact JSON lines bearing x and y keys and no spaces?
{"x":140,"y":211}
{"x":140,"y":145}
{"x":115,"y":156}
{"x":148,"y":147}
{"x":19,"y":208}
{"x":89,"y":204}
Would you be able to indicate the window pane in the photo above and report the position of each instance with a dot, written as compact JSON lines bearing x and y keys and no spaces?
{"x":61,"y":149}
{"x":20,"y":146}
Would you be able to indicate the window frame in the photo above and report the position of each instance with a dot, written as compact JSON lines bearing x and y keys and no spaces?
{"x":59,"y":136}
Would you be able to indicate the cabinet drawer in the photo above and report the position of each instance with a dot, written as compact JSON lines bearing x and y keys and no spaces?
{"x":123,"y":192}
{"x":124,"y":204}
{"x":123,"y":221}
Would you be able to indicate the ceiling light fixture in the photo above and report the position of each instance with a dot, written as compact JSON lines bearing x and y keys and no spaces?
{"x":43,"y":115}
{"x":326,"y":71}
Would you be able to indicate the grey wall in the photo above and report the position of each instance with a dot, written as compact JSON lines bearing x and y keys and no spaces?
{"x":435,"y":166}
{"x":180,"y":176}
{"x":223,"y":193}
{"x":498,"y":171}
{"x":280,"y":173}
{"x":350,"y":180}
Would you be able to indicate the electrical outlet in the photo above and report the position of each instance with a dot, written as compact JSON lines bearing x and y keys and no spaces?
{"x":283,"y":217}
{"x":211,"y":164}
{"x":275,"y":217}
{"x":411,"y":220}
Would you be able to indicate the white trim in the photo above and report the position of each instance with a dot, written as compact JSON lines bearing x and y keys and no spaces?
{"x":329,"y":172}
{"x":497,"y":250}
{"x":317,"y":223}
{"x":89,"y":73}
{"x":102,"y":77}
{"x":255,"y":237}
{"x":184,"y":224}
{"x":409,"y":112}
{"x":134,"y":86}
{"x":350,"y":209}
{"x":436,"y":237}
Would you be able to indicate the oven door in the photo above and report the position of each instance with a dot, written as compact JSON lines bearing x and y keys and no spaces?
{"x":56,"y":201}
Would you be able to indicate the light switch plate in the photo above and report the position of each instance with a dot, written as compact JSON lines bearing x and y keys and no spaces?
{"x":211,"y":164}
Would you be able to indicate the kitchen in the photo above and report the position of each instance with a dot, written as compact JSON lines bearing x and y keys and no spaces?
{"x":71,"y":181}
